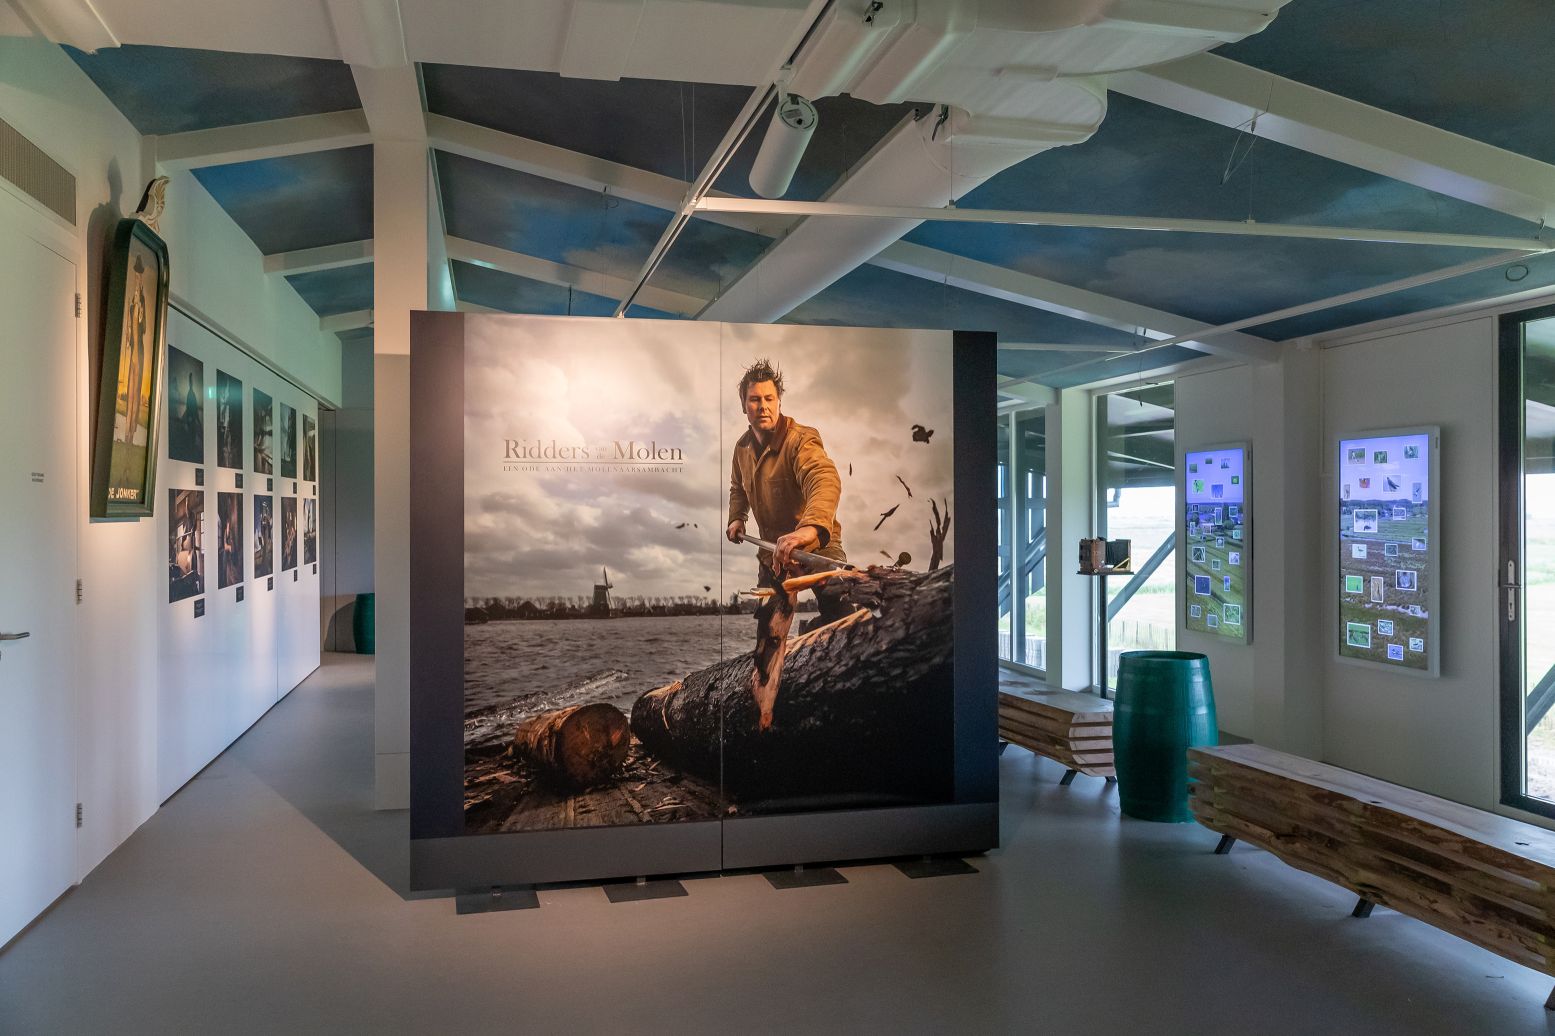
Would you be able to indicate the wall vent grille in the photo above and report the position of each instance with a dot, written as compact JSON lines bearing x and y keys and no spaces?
{"x":23,"y":163}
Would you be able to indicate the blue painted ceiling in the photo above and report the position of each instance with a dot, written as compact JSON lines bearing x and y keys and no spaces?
{"x":170,"y":90}
{"x":1468,"y":68}
{"x":344,"y":289}
{"x":1475,"y":67}
{"x":300,"y":201}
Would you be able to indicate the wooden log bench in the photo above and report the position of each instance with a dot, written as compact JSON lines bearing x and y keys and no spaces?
{"x":1070,"y":728}
{"x":1482,"y":877}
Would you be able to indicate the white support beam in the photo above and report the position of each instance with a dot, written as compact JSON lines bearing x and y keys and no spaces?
{"x":648,"y":188}
{"x":1091,"y":221}
{"x":325,"y":257}
{"x":1066,"y":300}
{"x":258,"y":140}
{"x":347,"y":321}
{"x":76,"y":23}
{"x":562,"y":275}
{"x":1232,"y":94}
{"x":572,"y":167}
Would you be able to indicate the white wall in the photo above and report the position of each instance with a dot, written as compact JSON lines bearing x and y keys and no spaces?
{"x":217,"y":271}
{"x":1288,"y":688}
{"x":224,"y":664}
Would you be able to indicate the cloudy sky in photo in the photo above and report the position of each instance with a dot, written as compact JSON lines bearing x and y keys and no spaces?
{"x":545,"y":532}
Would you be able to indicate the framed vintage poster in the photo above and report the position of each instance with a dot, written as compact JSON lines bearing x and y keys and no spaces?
{"x":124,"y":455}
{"x":1389,"y":570}
{"x":1217,"y":528}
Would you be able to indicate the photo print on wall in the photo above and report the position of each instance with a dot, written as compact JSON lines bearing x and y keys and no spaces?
{"x":185,"y":544}
{"x":288,"y":442}
{"x":185,"y":407}
{"x":310,"y":450}
{"x":229,"y":421}
{"x":229,"y":535}
{"x":605,"y":590}
{"x":288,"y":532}
{"x":310,"y":531}
{"x":1386,"y":612}
{"x":264,"y":536}
{"x":264,"y":416}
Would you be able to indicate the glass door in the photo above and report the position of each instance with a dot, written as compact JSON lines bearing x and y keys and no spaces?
{"x":1527,"y":560}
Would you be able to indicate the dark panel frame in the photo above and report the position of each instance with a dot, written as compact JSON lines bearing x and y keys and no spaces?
{"x":1509,"y":472}
{"x":443,"y":856}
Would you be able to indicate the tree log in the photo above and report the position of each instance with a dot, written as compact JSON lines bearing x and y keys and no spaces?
{"x":575,"y":747}
{"x":862,"y":712}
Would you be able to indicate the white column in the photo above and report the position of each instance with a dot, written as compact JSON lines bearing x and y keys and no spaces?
{"x":400,"y":186}
{"x":1071,"y":490}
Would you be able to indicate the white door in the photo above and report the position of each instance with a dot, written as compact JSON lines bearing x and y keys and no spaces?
{"x":38,"y":422}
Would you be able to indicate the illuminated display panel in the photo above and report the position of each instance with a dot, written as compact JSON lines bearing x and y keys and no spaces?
{"x":1217,"y":561}
{"x":1387,"y":580}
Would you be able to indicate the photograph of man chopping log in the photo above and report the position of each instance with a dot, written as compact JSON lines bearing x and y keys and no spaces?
{"x":782,"y":476}
{"x":661,"y":622}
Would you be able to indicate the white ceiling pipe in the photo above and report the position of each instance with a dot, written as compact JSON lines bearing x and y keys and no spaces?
{"x":1016,"y":217}
{"x":788,"y":134}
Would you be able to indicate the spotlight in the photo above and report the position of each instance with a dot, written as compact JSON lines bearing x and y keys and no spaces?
{"x":793,"y":121}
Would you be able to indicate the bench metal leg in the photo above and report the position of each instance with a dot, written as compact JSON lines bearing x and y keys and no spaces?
{"x":1549,"y":1005}
{"x":1112,"y":780}
{"x":1363,"y":909}
{"x":1225,"y":844}
{"x":1067,"y":779}
{"x":1002,"y":746}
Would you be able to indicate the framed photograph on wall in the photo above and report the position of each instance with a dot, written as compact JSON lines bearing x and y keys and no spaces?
{"x":1389,"y":578}
{"x":124,"y":455}
{"x":1217,"y":532}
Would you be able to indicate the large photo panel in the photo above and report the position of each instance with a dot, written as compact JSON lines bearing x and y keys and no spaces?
{"x":673,"y":576}
{"x":591,"y":544}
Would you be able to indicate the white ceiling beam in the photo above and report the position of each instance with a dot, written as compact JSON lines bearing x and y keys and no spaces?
{"x":562,"y":275}
{"x":325,"y":257}
{"x":1154,"y":224}
{"x":648,"y":188}
{"x":74,"y":22}
{"x":1232,"y":94}
{"x":347,"y":321}
{"x":369,"y":33}
{"x":258,"y":140}
{"x":573,"y":167}
{"x":1066,"y":300}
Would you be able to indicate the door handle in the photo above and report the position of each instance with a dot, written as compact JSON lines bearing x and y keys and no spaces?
{"x":14,"y":636}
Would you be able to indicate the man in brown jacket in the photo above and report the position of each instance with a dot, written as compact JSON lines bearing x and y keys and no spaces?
{"x":781,"y":473}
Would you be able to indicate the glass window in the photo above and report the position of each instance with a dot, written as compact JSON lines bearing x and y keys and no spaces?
{"x":1528,"y":664}
{"x":1030,"y":552}
{"x":1137,"y":501}
{"x":1006,"y":597}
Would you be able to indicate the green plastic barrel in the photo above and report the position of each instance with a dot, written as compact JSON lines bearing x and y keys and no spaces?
{"x":364,"y":624}
{"x":1165,"y":706}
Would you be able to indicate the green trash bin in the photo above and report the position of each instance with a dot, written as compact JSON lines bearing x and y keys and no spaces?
{"x":364,"y":624}
{"x":1165,"y":706}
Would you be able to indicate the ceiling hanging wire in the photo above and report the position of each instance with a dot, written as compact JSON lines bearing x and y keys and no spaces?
{"x":743,"y":123}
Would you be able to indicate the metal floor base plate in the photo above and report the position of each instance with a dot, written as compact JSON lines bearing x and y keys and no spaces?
{"x":487,"y":901}
{"x":934,"y":867}
{"x":635,"y":891}
{"x":804,"y":877}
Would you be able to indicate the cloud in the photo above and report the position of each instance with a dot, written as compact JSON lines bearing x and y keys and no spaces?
{"x":581,"y":382}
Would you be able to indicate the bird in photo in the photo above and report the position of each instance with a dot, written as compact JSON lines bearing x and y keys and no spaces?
{"x":886,"y":514}
{"x":921,"y":434}
{"x":904,"y":485}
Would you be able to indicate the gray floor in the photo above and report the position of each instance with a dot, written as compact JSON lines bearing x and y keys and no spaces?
{"x":265,"y":897}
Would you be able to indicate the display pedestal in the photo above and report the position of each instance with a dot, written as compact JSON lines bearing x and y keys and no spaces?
{"x":935,"y":867}
{"x":802,"y":877}
{"x":1101,"y":575}
{"x":642,"y":888}
{"x":500,"y":897}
